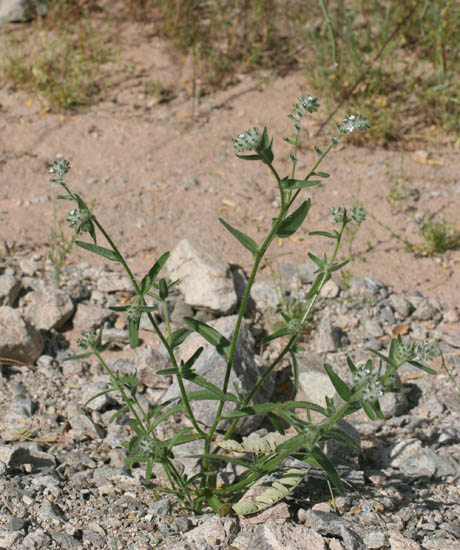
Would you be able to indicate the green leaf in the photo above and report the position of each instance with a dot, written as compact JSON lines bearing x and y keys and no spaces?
{"x":376,"y":408}
{"x":100,"y":250}
{"x":422,"y":367}
{"x":293,"y":444}
{"x":324,"y":234}
{"x":249,"y":157}
{"x":276,"y":422}
{"x":133,"y":329}
{"x":328,"y":467}
{"x":368,"y":410}
{"x":278,"y":334}
{"x":178,"y":336}
{"x":264,"y":408}
{"x":246,"y":241}
{"x":192,"y":360}
{"x":353,"y":368}
{"x":299,"y":184}
{"x":149,"y":279}
{"x":340,"y":387}
{"x":290,"y":224}
{"x":163,"y":287}
{"x":210,"y":334}
{"x":336,"y":267}
{"x":200,"y":381}
{"x":320,"y":174}
{"x":342,"y":437}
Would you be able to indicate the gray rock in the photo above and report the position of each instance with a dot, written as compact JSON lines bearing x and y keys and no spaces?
{"x":337,"y":452}
{"x":327,"y":337}
{"x":20,"y":11}
{"x":25,"y":453}
{"x":374,"y":540}
{"x":313,"y":379}
{"x":351,"y":540}
{"x":8,"y":539}
{"x":181,"y":310}
{"x":265,"y":295}
{"x":426,"y":462}
{"x":66,"y":542}
{"x":90,"y":390}
{"x":328,"y":524}
{"x":372,"y":327}
{"x":212,"y":366}
{"x":18,"y":339}
{"x":148,"y":361}
{"x":205,"y":278}
{"x":214,"y":531}
{"x":109,"y":282}
{"x":285,"y":536}
{"x":424,"y":311}
{"x":81,"y":424}
{"x":10,"y":287}
{"x":90,"y":316}
{"x":330,"y":289}
{"x":47,"y":307}
{"x":400,"y":305}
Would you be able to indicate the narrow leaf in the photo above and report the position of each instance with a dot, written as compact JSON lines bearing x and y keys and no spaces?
{"x":299,"y":184}
{"x":149,"y":279}
{"x":133,"y":329}
{"x":178,"y":336}
{"x":324,"y":234}
{"x":290,"y":224}
{"x":340,"y":386}
{"x":200,"y":381}
{"x":278,"y":334}
{"x":422,"y":367}
{"x":328,"y":467}
{"x":100,"y":250}
{"x":249,"y":157}
{"x":246,"y":241}
{"x":210,"y":334}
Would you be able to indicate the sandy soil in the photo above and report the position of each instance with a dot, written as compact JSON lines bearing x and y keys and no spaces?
{"x":162,"y":172}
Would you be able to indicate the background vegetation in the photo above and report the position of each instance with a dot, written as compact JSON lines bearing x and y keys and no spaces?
{"x":395,"y":62}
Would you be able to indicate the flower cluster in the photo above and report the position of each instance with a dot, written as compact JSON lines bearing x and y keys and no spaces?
{"x":367,"y":382}
{"x":80,"y":219}
{"x":251,"y":140}
{"x":352,"y":123}
{"x":338,"y":213}
{"x":134,"y":310}
{"x":309,"y":104}
{"x":358,"y":214}
{"x":87,"y":340}
{"x":425,"y":352}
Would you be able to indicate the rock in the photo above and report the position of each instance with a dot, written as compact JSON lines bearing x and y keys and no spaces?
{"x":213,"y":532}
{"x":285,"y":536}
{"x":329,"y":524}
{"x":330,"y":290}
{"x":313,"y":379}
{"x":327,"y":337}
{"x":373,"y":327}
{"x":400,"y":305}
{"x":399,"y":542}
{"x":148,"y":361}
{"x":25,"y":453}
{"x":10,"y":288}
{"x":89,"y":391}
{"x":113,"y":281}
{"x":18,"y":339}
{"x":205,"y":278}
{"x":211,"y":365}
{"x":20,"y":11}
{"x":337,"y":452}
{"x":90,"y":316}
{"x":81,"y":424}
{"x":265,"y":295}
{"x":426,"y":462}
{"x":424,"y":311}
{"x":47,"y":307}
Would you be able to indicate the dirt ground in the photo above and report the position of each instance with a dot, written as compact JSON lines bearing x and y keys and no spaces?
{"x":162,"y":172}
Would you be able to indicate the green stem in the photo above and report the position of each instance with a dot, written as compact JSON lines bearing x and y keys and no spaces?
{"x":292,"y":341}
{"x":156,"y":328}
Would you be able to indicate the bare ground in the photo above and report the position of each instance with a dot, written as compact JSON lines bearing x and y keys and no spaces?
{"x":162,"y":172}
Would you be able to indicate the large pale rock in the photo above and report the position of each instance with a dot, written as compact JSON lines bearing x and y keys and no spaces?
{"x":10,"y":287}
{"x":18,"y":339}
{"x":48,"y":307}
{"x":205,"y":278}
{"x":274,"y":535}
{"x":19,"y":11}
{"x":212,"y":366}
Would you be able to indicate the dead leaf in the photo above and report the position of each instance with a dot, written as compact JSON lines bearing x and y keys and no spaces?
{"x":400,"y":329}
